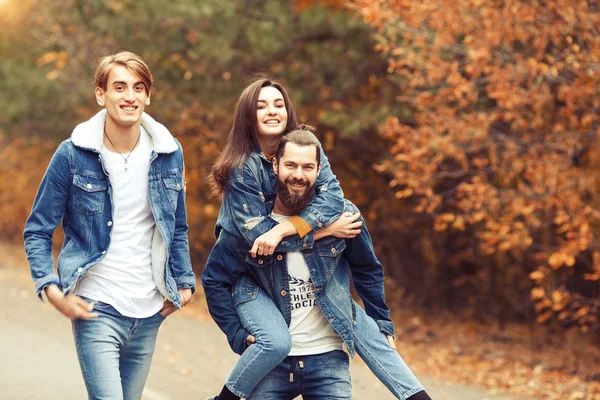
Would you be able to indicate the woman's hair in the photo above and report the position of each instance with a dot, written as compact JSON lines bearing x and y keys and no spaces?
{"x":243,"y":137}
{"x":301,"y":136}
{"x":129,"y":60}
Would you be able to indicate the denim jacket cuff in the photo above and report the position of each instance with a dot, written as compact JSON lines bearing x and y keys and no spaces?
{"x":386,"y":327}
{"x":239,"y":342}
{"x":187,"y":282}
{"x":41,"y":283}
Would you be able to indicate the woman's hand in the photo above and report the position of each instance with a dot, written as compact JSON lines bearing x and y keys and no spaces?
{"x":345,"y":227}
{"x":266,"y":243}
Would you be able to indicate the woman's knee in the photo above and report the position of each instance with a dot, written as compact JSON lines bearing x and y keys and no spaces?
{"x":276,"y":342}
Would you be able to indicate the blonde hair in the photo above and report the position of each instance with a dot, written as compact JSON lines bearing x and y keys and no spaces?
{"x":129,"y":60}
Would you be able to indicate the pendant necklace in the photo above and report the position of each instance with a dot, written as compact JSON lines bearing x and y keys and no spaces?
{"x":115,"y":147}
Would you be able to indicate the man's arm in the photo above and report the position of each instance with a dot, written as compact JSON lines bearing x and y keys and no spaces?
{"x":180,"y":263}
{"x":47,"y":211}
{"x":222,"y":270}
{"x":368,"y":277}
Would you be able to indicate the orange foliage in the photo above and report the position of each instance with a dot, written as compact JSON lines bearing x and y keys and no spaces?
{"x":502,"y":140}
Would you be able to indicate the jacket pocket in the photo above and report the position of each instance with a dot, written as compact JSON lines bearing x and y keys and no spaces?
{"x":329,"y":251}
{"x":89,"y":194}
{"x":173,"y":185}
{"x":245,"y":289}
{"x":259,"y":261}
{"x":330,"y":247}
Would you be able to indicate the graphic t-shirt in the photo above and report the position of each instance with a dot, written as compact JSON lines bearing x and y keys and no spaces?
{"x":310,"y":331}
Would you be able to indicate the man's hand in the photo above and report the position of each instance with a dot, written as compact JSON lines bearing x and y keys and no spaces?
{"x":169,"y":308}
{"x":71,"y":306}
{"x":250,"y":340}
{"x":390,"y":340}
{"x":345,"y":227}
{"x":266,"y":243}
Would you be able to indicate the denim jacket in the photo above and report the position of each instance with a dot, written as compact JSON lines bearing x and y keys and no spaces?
{"x":231,"y":276}
{"x":244,"y":212}
{"x":76,"y":189}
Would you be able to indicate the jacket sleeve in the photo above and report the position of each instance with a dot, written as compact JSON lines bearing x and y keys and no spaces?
{"x":328,"y":204}
{"x":180,"y":263}
{"x":246,"y":202}
{"x":222,"y":270}
{"x":368,"y":277}
{"x":47,"y":211}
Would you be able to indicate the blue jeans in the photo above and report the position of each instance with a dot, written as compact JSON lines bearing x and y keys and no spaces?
{"x":115,"y":352}
{"x":387,"y":365}
{"x":264,"y":320}
{"x":322,"y":376}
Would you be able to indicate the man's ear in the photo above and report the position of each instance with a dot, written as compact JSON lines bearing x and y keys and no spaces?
{"x":319,"y":168}
{"x":100,"y":96}
{"x":274,"y":161}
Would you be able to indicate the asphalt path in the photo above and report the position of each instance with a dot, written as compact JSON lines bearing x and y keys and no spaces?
{"x":192,"y":358}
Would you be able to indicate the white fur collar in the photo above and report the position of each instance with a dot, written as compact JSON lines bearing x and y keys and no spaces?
{"x":89,"y":134}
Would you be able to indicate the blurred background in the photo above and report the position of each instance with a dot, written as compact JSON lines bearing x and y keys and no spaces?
{"x":465,"y":131}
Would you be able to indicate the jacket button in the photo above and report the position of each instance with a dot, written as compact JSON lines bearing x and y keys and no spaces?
{"x":79,"y":269}
{"x":103,"y":251}
{"x":280,"y":257}
{"x":260,"y":262}
{"x":89,"y":185}
{"x":333,"y":250}
{"x":109,"y":223}
{"x":283,"y":293}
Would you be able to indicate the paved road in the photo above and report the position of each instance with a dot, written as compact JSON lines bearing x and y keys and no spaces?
{"x":192,"y":358}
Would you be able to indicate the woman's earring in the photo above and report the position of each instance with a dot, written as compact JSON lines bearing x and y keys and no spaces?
{"x":147,"y":102}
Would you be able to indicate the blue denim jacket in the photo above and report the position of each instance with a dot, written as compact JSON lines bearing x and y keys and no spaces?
{"x":231,"y":276}
{"x":244,"y":212}
{"x":76,"y":190}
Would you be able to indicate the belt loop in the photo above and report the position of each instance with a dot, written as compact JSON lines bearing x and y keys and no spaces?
{"x":292,"y":368}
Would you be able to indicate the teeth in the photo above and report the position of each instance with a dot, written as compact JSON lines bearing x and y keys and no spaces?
{"x":128,"y":108}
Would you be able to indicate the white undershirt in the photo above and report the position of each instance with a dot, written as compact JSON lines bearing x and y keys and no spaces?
{"x":310,"y":331}
{"x":123,"y":278}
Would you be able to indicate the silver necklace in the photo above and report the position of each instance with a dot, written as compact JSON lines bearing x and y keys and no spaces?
{"x":115,"y":147}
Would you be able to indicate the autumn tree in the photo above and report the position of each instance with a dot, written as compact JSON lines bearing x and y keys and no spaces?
{"x":498,"y":149}
{"x":202,"y":54}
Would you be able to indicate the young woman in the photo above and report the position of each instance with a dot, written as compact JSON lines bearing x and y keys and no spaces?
{"x":244,"y":175}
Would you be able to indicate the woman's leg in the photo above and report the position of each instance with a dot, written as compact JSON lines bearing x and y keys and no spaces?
{"x":264,"y":321}
{"x":382,"y":359}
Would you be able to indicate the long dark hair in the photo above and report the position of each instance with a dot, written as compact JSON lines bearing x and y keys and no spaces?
{"x":243,"y":137}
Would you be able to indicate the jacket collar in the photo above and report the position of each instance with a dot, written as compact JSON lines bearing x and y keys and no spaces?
{"x":89,"y":135}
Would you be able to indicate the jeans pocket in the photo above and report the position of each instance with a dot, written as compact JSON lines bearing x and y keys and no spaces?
{"x":98,"y":305}
{"x":244,"y":290}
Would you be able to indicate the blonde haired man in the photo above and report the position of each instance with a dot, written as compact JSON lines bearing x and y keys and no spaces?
{"x":117,"y":185}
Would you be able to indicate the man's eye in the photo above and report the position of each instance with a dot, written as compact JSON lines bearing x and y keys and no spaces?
{"x":139,"y":88}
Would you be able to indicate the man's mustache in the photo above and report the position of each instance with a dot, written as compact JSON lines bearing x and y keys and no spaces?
{"x":295,"y":181}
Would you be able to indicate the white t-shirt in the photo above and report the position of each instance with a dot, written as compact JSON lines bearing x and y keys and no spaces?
{"x":123,"y":278}
{"x":310,"y":331}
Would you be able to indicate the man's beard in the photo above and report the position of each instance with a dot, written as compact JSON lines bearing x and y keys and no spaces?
{"x":293,"y":201}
